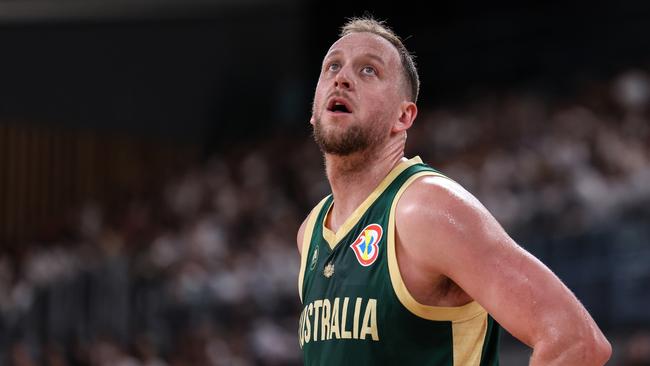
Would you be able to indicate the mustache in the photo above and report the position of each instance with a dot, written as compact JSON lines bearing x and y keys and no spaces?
{"x":337,"y":94}
{"x":334,"y":94}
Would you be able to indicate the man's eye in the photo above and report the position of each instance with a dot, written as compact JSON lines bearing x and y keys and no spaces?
{"x":369,"y":70}
{"x":333,"y":66}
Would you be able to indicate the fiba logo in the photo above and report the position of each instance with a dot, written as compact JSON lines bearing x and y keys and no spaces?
{"x":366,"y":246}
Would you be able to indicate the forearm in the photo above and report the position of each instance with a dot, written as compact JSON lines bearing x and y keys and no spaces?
{"x":570,"y":353}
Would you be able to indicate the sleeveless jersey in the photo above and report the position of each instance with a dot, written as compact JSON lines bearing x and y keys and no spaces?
{"x":356,"y":308}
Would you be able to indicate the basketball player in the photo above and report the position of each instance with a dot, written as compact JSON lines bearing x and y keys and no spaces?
{"x":401,"y":265}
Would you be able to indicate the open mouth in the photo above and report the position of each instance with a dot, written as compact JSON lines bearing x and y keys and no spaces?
{"x":337,"y":105}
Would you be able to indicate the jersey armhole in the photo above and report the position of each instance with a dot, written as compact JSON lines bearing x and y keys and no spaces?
{"x":469,"y":322}
{"x":306,"y":240}
{"x":436,"y":313}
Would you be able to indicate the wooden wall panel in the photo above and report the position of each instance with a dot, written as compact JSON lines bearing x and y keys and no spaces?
{"x":46,"y":173}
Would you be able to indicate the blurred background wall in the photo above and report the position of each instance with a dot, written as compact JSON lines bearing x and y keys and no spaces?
{"x":156,"y":162}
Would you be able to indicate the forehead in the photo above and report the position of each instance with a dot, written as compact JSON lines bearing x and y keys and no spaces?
{"x":364,"y":44}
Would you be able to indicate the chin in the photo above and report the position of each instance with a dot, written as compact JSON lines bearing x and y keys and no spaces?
{"x":338,"y":117}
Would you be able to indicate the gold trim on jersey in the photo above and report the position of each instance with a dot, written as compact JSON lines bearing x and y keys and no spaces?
{"x":306,"y":240}
{"x":468,"y":338}
{"x":332,"y":237}
{"x":469,"y":321}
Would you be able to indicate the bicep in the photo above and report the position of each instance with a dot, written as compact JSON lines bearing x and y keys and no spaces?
{"x":517,"y":289}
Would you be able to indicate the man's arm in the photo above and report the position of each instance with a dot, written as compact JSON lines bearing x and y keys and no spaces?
{"x":301,"y":234}
{"x":458,"y":238}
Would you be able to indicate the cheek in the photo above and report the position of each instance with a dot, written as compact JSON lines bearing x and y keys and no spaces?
{"x":318,"y":97}
{"x":381,"y":102}
{"x":382,"y":108}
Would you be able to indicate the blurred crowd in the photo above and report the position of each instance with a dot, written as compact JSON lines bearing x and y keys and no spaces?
{"x":527,"y":155}
{"x":202,"y":270}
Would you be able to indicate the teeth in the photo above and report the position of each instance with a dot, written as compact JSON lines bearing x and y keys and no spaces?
{"x":340,"y":106}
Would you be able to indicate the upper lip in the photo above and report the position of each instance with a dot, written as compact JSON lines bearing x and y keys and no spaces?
{"x":338,"y":100}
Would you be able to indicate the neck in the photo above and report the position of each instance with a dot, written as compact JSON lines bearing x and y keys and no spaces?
{"x":353,"y":177}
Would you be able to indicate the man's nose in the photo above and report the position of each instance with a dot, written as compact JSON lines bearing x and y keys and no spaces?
{"x":342,"y":80}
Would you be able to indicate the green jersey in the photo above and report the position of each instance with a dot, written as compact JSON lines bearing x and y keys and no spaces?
{"x":356,"y":308}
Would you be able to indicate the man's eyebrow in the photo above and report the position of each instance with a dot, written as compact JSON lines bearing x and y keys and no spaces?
{"x":367,"y":55}
{"x":375,"y":57}
{"x":332,"y":53}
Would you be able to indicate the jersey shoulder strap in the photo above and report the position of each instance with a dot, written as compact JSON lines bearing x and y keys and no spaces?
{"x":313,"y":219}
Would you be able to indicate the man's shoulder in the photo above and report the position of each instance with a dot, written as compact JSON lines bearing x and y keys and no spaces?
{"x":309,"y":220}
{"x":432,"y":189}
{"x":432,"y":203}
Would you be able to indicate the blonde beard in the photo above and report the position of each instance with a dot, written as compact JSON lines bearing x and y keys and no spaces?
{"x":353,"y":140}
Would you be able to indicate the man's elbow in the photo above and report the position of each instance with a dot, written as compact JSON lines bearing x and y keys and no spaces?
{"x":573,"y":350}
{"x":601,"y":350}
{"x":596,"y":350}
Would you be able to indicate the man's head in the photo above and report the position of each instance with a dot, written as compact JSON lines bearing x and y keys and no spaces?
{"x":366,"y":91}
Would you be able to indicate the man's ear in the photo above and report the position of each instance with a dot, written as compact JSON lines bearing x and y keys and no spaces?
{"x":408,"y":112}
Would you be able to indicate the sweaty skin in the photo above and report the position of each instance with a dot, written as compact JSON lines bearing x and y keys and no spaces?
{"x":450,"y":249}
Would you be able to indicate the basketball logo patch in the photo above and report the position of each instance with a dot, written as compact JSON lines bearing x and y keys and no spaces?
{"x":366,"y":246}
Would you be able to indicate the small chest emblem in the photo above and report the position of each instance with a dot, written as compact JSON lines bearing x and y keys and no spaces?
{"x":366,"y":246}
{"x":328,"y":271}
